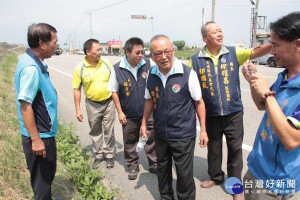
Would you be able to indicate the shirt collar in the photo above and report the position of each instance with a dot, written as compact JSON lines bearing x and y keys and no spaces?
{"x":177,"y":68}
{"x":286,"y":80}
{"x":87,"y":64}
{"x":41,"y":64}
{"x":124,"y":64}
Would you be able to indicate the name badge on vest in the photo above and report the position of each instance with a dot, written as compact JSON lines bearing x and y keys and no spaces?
{"x":176,"y":88}
{"x":223,"y":60}
{"x":144,"y":75}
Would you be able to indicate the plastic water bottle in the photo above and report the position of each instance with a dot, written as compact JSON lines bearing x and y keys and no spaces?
{"x":142,"y":142}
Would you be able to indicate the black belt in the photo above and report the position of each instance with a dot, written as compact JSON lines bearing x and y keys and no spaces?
{"x":102,"y":102}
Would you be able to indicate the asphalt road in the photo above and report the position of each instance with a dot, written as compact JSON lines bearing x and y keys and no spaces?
{"x":145,"y":186}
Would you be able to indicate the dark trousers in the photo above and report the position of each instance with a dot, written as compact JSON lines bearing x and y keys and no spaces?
{"x":131,"y":132}
{"x":42,"y":170}
{"x":182,"y":152}
{"x":232,"y":127}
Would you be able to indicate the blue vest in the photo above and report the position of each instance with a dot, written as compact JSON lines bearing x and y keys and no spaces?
{"x":45,"y":103}
{"x":173,"y":106}
{"x":132,"y":91}
{"x":269,"y":160}
{"x":221,"y":92}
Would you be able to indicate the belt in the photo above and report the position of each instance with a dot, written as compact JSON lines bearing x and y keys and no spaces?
{"x":102,"y":102}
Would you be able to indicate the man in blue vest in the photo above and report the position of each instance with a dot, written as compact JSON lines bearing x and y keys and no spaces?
{"x":127,"y":84}
{"x":37,"y":108}
{"x":173,"y":93}
{"x":274,"y":162}
{"x":217,"y":67}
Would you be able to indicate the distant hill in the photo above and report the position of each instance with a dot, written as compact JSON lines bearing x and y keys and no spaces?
{"x":10,"y":48}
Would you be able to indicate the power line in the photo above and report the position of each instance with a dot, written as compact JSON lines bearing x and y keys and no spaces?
{"x":90,"y":13}
{"x":110,"y":5}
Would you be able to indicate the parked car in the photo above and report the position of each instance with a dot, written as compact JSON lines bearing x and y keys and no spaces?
{"x":80,"y":52}
{"x":57,"y":51}
{"x":104,"y":52}
{"x":267,"y":60}
{"x":147,"y":53}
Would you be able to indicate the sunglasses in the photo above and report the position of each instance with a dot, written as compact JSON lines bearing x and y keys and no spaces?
{"x":140,"y":52}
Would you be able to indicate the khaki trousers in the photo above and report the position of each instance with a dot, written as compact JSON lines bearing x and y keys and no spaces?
{"x":101,"y":117}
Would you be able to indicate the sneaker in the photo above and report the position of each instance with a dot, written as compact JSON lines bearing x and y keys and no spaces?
{"x":110,"y":163}
{"x":153,"y":168}
{"x":96,"y":163}
{"x":133,"y":173}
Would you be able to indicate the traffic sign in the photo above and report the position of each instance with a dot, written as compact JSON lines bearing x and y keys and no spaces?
{"x":138,"y":17}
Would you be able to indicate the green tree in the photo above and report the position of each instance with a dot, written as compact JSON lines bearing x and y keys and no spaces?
{"x":147,"y":45}
{"x":179,"y":44}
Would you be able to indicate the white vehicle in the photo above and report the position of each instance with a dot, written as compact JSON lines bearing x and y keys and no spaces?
{"x":267,"y":60}
{"x":80,"y":52}
{"x":147,"y":53}
{"x":104,"y":52}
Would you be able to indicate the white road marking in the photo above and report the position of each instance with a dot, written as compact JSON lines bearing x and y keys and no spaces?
{"x":61,"y":72}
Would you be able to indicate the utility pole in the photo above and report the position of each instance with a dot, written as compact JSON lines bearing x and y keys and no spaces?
{"x":91,"y":32}
{"x":110,"y":5}
{"x":75,"y":50}
{"x":151,"y":21}
{"x":202,"y":25}
{"x":213,"y":10}
{"x":255,"y":23}
{"x":202,"y":16}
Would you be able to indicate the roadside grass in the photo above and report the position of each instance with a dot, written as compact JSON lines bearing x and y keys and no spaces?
{"x":14,"y":177}
{"x":185,"y":53}
{"x":71,"y":181}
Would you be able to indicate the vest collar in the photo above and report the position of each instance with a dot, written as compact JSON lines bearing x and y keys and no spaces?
{"x":37,"y":60}
{"x":204,"y":54}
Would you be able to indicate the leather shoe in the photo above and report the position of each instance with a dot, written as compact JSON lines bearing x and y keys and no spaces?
{"x":239,"y":196}
{"x":153,"y":168}
{"x":110,"y":163}
{"x":208,"y":184}
{"x":132,"y":175}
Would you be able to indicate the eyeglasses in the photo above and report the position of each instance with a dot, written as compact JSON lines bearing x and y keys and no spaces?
{"x":140,"y":52}
{"x":159,"y":54}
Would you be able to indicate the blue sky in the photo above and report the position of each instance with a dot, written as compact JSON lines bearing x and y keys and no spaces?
{"x":178,"y":19}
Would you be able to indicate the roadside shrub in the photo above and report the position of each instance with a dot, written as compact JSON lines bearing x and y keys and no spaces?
{"x":86,"y":179}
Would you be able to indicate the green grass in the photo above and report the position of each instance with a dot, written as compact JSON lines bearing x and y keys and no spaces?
{"x":185,"y":53}
{"x":14,"y":176}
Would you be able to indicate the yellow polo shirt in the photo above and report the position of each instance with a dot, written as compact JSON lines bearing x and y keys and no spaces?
{"x":94,"y":79}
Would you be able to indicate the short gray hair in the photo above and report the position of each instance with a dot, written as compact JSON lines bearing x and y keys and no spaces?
{"x":156,"y":37}
{"x":203,"y":28}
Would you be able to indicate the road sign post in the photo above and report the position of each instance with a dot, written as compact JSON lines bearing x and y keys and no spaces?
{"x":144,"y":17}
